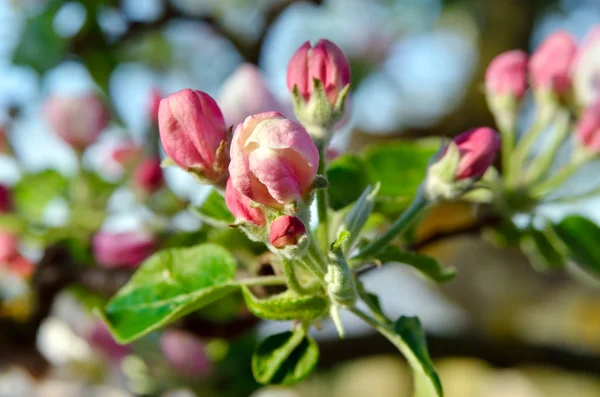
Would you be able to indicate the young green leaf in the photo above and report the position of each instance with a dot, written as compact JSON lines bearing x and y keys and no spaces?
{"x":169,"y":285}
{"x":427,"y":265}
{"x":581,"y":236}
{"x":214,"y":211}
{"x":410,"y":339}
{"x":285,"y":358}
{"x":287,"y":306}
{"x":347,"y":179}
{"x":540,"y":247}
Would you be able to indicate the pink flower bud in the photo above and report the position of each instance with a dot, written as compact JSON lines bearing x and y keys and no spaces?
{"x":153,"y":104}
{"x":550,"y":65}
{"x":507,"y":74}
{"x":241,"y":208}
{"x":587,"y":131}
{"x":273,"y":160}
{"x":245,"y":93}
{"x":325,"y":62}
{"x":185,"y":353}
{"x":477,"y":148}
{"x":148,"y":175}
{"x":77,"y":120}
{"x":6,"y":204}
{"x":286,"y":230}
{"x":193,"y":133}
{"x":99,"y":337}
{"x":127,"y":249}
{"x":9,"y":246}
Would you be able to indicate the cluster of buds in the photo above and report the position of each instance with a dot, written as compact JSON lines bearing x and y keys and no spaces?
{"x":267,"y":165}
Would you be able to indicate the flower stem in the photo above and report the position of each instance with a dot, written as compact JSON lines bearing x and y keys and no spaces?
{"x":559,"y":177}
{"x":519,"y":155}
{"x":399,"y":226}
{"x":292,"y":280}
{"x":543,"y":162}
{"x":323,"y":204}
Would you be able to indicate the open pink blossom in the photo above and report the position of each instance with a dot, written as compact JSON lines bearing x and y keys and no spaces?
{"x":127,"y":249}
{"x":507,"y":74}
{"x":193,"y":133}
{"x":550,"y":65}
{"x":286,"y":230}
{"x":587,"y":131}
{"x":244,"y":93}
{"x":325,"y":62}
{"x":477,"y":148}
{"x":273,"y":160}
{"x":241,"y":208}
{"x":77,"y":120}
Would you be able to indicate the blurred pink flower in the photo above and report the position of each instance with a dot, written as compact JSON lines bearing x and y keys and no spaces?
{"x":550,"y":64}
{"x":9,"y":245}
{"x":148,"y":175}
{"x":507,"y":74}
{"x":77,"y":120}
{"x":185,"y":352}
{"x":127,"y":249}
{"x":273,"y":160}
{"x":99,"y":337}
{"x":587,"y":131}
{"x":245,"y":93}
{"x":6,"y":204}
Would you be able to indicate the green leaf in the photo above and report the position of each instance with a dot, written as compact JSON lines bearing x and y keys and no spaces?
{"x":581,"y":237}
{"x":540,"y":246}
{"x":427,"y":265}
{"x":214,"y":211}
{"x":34,"y":191}
{"x":400,"y":167}
{"x":169,"y":285}
{"x":348,"y":178}
{"x":285,"y":358}
{"x":410,"y":339}
{"x":287,"y":306}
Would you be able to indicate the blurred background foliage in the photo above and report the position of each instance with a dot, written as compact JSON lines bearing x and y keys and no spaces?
{"x":499,"y":329}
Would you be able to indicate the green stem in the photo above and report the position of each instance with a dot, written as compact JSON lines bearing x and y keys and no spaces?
{"x":558,"y":178}
{"x":398,"y":227}
{"x":543,"y":162}
{"x":323,"y":204}
{"x":524,"y":146}
{"x":292,"y":279}
{"x":377,"y":313}
{"x":267,"y":280}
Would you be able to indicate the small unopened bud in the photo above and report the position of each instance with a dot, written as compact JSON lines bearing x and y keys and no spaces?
{"x":463,"y":162}
{"x":587,"y":131}
{"x":550,"y":64}
{"x":286,"y":230}
{"x":319,"y":79}
{"x":148,"y":176}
